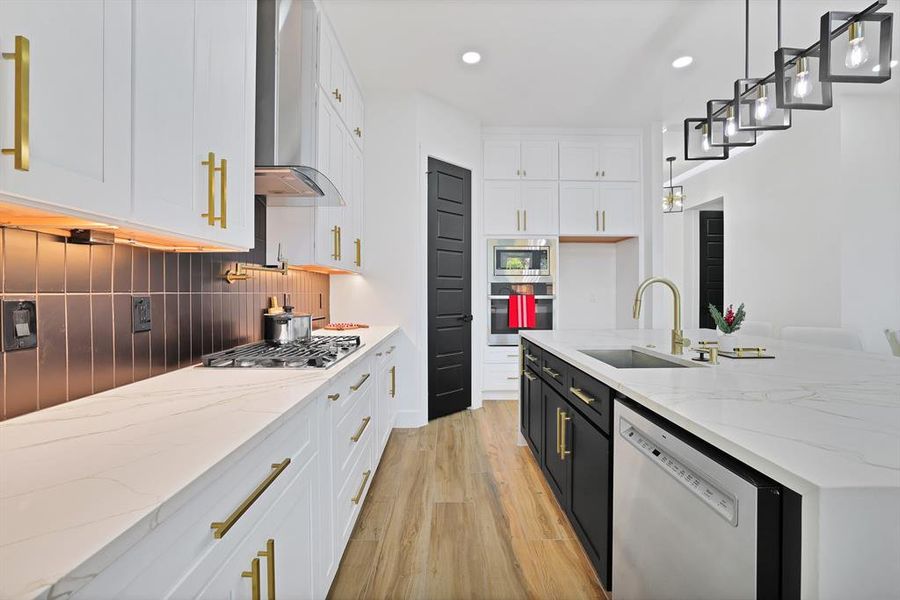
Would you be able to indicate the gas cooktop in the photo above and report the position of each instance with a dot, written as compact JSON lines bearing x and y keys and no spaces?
{"x":318,"y":352}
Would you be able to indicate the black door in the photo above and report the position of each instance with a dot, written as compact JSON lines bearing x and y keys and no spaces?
{"x":589,"y":492}
{"x":555,"y":425}
{"x":449,"y":289}
{"x":712,"y":275}
{"x":534,"y":433}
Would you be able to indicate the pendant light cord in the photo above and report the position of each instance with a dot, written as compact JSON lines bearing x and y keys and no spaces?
{"x":746,"y":39}
{"x":779,"y":25}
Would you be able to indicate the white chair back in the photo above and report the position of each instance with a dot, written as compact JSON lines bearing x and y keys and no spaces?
{"x":759,"y":328}
{"x":833,"y":337}
{"x":893,"y":338}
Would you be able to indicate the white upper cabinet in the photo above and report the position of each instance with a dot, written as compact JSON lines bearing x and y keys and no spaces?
{"x":502,"y":159}
{"x":608,"y":158}
{"x":589,"y":208}
{"x":517,"y":207}
{"x":512,"y":159}
{"x":193,"y":67}
{"x":619,"y":208}
{"x":77,"y":134}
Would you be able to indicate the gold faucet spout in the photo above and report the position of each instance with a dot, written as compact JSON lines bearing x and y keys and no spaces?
{"x":678,"y":339}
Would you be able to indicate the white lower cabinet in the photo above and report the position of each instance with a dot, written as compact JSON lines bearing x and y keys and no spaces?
{"x":284,"y":508}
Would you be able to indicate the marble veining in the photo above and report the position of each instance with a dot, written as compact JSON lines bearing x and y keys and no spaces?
{"x":83,"y":481}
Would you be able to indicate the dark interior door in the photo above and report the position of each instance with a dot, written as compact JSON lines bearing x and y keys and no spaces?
{"x":712,"y":274}
{"x":449,"y":289}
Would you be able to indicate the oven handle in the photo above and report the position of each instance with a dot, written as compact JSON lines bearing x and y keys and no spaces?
{"x":502,"y":297}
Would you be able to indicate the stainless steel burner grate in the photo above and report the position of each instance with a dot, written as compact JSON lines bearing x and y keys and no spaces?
{"x":319,"y":352}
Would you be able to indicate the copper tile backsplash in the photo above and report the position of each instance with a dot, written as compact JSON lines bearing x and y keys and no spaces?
{"x":83,"y":293}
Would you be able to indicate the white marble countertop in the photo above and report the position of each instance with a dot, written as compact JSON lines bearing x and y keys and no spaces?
{"x":812,"y":416}
{"x":75,"y":477}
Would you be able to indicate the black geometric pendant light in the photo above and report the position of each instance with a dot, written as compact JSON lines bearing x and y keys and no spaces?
{"x":722,"y":120}
{"x":673,"y":195}
{"x":797,"y":80}
{"x":856,"y":47}
{"x":754,"y":98}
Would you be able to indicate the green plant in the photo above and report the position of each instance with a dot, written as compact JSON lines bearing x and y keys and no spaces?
{"x":731,"y":320}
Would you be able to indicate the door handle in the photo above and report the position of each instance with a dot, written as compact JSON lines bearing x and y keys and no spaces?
{"x":466,"y":318}
{"x":253,"y":576}
{"x":269,"y":555}
{"x":551,"y":372}
{"x":334,"y":242}
{"x":223,"y":192}
{"x":394,"y":381}
{"x":21,"y":149}
{"x":597,"y":220}
{"x":358,"y":260}
{"x":518,"y":221}
{"x":562,"y":429}
{"x":525,"y":219}
{"x":365,"y":423}
{"x":359,"y":383}
{"x":558,"y":412}
{"x":529,"y":376}
{"x":581,"y":395}
{"x":603,"y":219}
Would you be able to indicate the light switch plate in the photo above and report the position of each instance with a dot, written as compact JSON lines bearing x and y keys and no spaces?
{"x":19,"y":325}
{"x":140,"y":314}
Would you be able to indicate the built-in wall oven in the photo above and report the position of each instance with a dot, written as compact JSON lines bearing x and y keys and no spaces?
{"x":519,"y":266}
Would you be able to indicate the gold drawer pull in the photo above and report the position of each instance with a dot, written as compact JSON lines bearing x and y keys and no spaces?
{"x":603,"y":220}
{"x":21,"y":149}
{"x":253,"y":575}
{"x":558,"y":412}
{"x":359,"y":383}
{"x":221,"y":527}
{"x":392,"y":348}
{"x":562,"y":435}
{"x":512,"y":356}
{"x":531,"y":357}
{"x":210,"y":164}
{"x":394,"y":381}
{"x":337,"y":94}
{"x":513,"y":378}
{"x":362,"y":487}
{"x":365,"y":423}
{"x":269,"y":555}
{"x":358,"y":132}
{"x":529,"y":376}
{"x":358,"y":260}
{"x":581,"y":395}
{"x":551,"y":372}
{"x":223,"y":192}
{"x":334,"y":397}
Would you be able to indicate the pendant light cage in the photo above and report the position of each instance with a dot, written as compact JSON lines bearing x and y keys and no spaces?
{"x":798,"y":82}
{"x":856,"y":47}
{"x":721,"y":118}
{"x":673,"y":195}
{"x":754,"y":99}
{"x":698,"y":143}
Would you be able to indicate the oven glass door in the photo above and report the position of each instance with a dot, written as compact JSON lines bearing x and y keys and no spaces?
{"x":521,"y":260}
{"x":501,"y":334}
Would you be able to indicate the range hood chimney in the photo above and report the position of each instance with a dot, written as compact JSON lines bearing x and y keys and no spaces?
{"x":285,"y":86}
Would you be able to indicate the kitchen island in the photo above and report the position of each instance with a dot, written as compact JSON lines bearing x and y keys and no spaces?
{"x":823,"y":422}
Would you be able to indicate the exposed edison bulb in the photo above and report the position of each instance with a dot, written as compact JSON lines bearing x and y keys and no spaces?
{"x":705,"y":142}
{"x":761,"y":106}
{"x":730,"y":123}
{"x":802,"y":84}
{"x":857,"y":53}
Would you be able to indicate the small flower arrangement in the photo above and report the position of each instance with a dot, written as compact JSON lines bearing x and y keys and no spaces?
{"x":731,"y":321}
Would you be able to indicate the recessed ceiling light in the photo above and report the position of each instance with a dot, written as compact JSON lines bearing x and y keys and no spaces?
{"x":877,"y":68}
{"x":682,"y":61}
{"x":471,"y":57}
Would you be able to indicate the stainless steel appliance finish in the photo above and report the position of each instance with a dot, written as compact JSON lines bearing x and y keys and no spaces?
{"x":688,"y":521}
{"x":634,"y":359}
{"x":519,"y":266}
{"x":279,"y":328}
{"x":285,"y":33}
{"x":302,"y":327}
{"x":317,"y":352}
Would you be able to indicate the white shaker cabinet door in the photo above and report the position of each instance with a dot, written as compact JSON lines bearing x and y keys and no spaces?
{"x":579,"y":208}
{"x":540,"y":207}
{"x":579,"y":161}
{"x":330,"y":152}
{"x":618,"y":206}
{"x":502,"y":159}
{"x":620,"y":158}
{"x":540,"y":160}
{"x":78,"y":109}
{"x":502,"y":207}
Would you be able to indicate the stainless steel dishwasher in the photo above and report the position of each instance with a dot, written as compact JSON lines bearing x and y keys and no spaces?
{"x":690,"y":522}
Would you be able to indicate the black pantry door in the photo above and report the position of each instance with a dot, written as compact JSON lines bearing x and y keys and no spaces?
{"x":449,"y":288}
{"x":712,"y":274}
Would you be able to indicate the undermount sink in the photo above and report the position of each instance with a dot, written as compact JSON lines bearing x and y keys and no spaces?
{"x":632,"y":359}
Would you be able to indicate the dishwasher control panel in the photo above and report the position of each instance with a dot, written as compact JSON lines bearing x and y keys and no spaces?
{"x":721,"y":502}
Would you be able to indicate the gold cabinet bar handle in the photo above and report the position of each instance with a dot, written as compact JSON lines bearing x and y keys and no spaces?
{"x":358,"y":132}
{"x":513,"y":377}
{"x":334,"y":397}
{"x":358,"y":260}
{"x":21,"y":149}
{"x":220,"y":528}
{"x":551,"y":372}
{"x":562,"y":429}
{"x":597,"y":220}
{"x":581,"y":395}
{"x":269,"y":555}
{"x":518,"y":221}
{"x":525,"y":219}
{"x":334,"y":242}
{"x":362,"y":487}
{"x":394,"y":382}
{"x":340,"y":254}
{"x":531,"y":357}
{"x":603,"y":219}
{"x":337,"y":94}
{"x":529,"y":376}
{"x":512,"y":356}
{"x":596,"y":173}
{"x":391,"y":349}
{"x":558,"y":452}
{"x":359,"y":383}
{"x":602,"y":173}
{"x":210,"y":164}
{"x":223,"y":192}
{"x":253,"y":575}
{"x":365,"y":423}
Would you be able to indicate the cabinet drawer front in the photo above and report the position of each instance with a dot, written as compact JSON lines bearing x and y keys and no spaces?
{"x":501,"y":377}
{"x":590,"y":396}
{"x":351,"y":434}
{"x":502,"y":354}
{"x":351,"y":494}
{"x":351,"y":386}
{"x":555,"y":372}
{"x":533,"y":355}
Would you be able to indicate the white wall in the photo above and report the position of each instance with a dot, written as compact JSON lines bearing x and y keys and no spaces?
{"x":404,"y":129}
{"x":586,"y":293}
{"x":811,"y":222}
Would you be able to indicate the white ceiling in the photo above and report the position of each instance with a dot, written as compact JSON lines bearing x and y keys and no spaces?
{"x":571,"y":63}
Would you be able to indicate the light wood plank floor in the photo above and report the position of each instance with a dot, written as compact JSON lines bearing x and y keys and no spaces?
{"x":457,"y":510}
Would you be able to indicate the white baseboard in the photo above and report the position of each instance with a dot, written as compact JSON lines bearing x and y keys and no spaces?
{"x":504,"y":395}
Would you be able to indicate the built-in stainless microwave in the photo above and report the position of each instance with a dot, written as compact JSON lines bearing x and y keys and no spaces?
{"x":518,"y":260}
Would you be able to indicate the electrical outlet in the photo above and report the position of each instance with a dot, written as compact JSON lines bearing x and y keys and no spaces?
{"x":140,"y":314}
{"x":19,"y":325}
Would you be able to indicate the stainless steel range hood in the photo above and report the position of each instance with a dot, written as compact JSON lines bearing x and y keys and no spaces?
{"x":285,"y":102}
